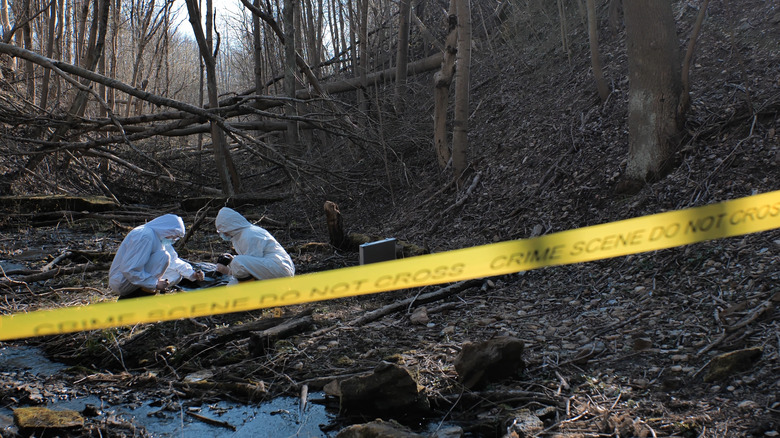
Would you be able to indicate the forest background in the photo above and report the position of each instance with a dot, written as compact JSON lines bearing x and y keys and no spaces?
{"x":446,"y":125}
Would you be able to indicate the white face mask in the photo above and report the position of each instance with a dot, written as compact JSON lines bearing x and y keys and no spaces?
{"x":225,"y":237}
{"x":168,"y":241}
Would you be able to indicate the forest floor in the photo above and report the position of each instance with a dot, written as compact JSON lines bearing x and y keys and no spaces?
{"x":615,"y":347}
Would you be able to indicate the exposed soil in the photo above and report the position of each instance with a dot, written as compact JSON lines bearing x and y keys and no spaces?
{"x":616,"y":346}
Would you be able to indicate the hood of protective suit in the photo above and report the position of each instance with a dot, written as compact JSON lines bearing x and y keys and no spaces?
{"x":167,"y":225}
{"x":230,"y":221}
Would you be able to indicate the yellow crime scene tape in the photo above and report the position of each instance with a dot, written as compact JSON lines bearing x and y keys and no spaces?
{"x":647,"y":233}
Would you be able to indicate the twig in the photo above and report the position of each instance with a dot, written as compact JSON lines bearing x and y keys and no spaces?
{"x":59,"y":258}
{"x":754,"y":315}
{"x":211,"y":421}
{"x":457,"y":204}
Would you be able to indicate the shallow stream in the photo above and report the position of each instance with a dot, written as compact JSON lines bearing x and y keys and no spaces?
{"x":280,"y":417}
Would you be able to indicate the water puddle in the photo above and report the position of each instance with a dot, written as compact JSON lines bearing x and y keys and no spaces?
{"x":280,"y":417}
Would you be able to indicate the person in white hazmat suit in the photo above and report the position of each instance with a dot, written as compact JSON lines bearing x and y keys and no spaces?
{"x":146,"y":262}
{"x":260,"y":256}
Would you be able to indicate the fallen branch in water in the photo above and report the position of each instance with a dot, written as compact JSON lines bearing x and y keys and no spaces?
{"x":211,"y":421}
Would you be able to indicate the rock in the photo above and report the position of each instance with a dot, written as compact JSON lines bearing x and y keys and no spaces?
{"x":523,"y":424}
{"x":377,"y":429}
{"x":34,"y":418}
{"x":90,"y":410}
{"x":492,"y":360}
{"x":389,"y":388}
{"x":725,"y":365}
{"x":420,"y":316}
{"x":332,"y":388}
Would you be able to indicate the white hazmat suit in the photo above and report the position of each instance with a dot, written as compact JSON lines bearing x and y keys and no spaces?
{"x":146,"y":256}
{"x":259,"y":254}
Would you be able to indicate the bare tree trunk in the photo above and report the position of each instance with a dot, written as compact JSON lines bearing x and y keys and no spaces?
{"x":289,"y":69}
{"x":404,"y":12}
{"x":257,"y":44}
{"x":442,"y":80}
{"x":460,"y":141}
{"x":142,"y":32}
{"x":363,"y":56}
{"x":564,"y":30}
{"x":685,"y":102}
{"x":226,"y":170}
{"x":104,"y":166}
{"x":29,"y":67}
{"x":80,"y":25}
{"x":58,"y":49}
{"x":353,"y":26}
{"x":595,"y":60}
{"x":318,"y":41}
{"x":655,"y":88}
{"x":68,"y":32}
{"x":343,"y":33}
{"x":50,"y":31}
{"x":10,"y":63}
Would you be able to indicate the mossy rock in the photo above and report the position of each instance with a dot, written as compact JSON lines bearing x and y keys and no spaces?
{"x":44,"y":418}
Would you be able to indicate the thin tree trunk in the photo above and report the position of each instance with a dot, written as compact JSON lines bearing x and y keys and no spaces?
{"x":363,"y":57}
{"x":353,"y":27}
{"x":442,"y":81}
{"x":58,"y":49}
{"x":685,"y":101}
{"x":595,"y":60}
{"x":404,"y":10}
{"x":29,"y":67}
{"x":80,"y":24}
{"x":257,"y":46}
{"x":344,"y":32}
{"x":226,"y":170}
{"x":564,"y":30}
{"x":289,"y":69}
{"x":50,"y":31}
{"x":460,"y":141}
{"x":8,"y":66}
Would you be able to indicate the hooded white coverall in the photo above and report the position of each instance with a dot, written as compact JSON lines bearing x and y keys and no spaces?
{"x":259,"y":254}
{"x":142,"y":259}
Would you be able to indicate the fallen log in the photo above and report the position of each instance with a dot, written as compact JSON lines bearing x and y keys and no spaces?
{"x":233,"y":332}
{"x":422,"y":299}
{"x":261,"y":342}
{"x":46,"y":275}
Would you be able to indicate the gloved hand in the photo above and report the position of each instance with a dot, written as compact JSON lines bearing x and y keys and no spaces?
{"x":225,"y":259}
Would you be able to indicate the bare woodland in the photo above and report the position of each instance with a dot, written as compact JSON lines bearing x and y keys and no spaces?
{"x":444,"y":124}
{"x":107,"y":85}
